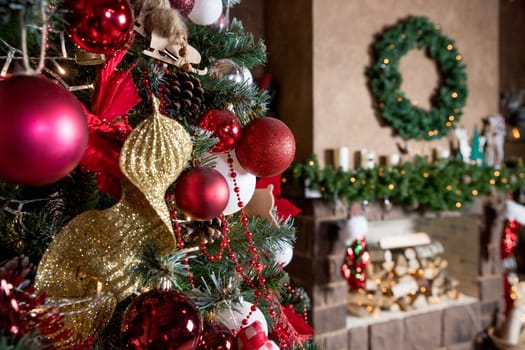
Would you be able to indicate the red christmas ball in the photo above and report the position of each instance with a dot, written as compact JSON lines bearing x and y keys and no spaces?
{"x":184,"y":6}
{"x":224,"y":125}
{"x":100,"y":26}
{"x":202,"y":193}
{"x":266,"y":147}
{"x":216,"y":336}
{"x":161,"y":320}
{"x":43,"y":131}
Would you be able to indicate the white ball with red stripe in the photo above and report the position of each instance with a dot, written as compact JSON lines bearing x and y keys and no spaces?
{"x":252,"y":337}
{"x":232,"y":317}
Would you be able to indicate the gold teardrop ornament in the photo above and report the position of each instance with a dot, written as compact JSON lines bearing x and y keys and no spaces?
{"x":97,"y":250}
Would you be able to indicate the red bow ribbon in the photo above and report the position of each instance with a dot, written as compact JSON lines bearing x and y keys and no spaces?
{"x":115,"y":94}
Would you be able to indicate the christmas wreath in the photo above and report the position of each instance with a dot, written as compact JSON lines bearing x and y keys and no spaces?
{"x":408,"y":120}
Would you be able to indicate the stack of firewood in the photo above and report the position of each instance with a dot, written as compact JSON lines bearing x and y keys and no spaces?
{"x":406,"y":273}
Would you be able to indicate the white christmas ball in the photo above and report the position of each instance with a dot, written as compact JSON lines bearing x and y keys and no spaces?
{"x":232,"y":317}
{"x":245,"y":181}
{"x":205,"y":12}
{"x":247,"y":75}
{"x":284,"y":254}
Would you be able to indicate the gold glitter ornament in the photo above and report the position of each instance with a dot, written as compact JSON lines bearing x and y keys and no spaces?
{"x":97,"y":250}
{"x":153,"y":156}
{"x":85,"y":315}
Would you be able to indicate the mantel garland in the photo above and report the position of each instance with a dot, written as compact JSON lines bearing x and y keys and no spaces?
{"x":444,"y":185}
{"x":407,"y":119}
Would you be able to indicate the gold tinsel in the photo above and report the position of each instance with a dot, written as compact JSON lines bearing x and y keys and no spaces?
{"x":97,"y":250}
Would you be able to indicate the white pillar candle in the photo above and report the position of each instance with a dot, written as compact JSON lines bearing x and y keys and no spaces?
{"x":394,"y":159}
{"x":341,"y":158}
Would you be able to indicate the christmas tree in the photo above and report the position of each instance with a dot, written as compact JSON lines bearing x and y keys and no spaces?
{"x":138,"y":181}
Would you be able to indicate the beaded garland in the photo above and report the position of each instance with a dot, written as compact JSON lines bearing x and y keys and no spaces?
{"x":384,"y":78}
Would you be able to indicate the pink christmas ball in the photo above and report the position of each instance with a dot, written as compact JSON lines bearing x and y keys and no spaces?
{"x":100,"y":26}
{"x":266,"y":147}
{"x":201,"y":193}
{"x":43,"y":131}
{"x":223,"y":125}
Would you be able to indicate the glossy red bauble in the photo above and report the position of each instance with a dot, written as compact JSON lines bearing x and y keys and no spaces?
{"x":266,"y":147}
{"x":216,"y":336}
{"x":161,"y":319}
{"x":224,"y":125}
{"x":201,"y":193}
{"x":184,"y":6}
{"x":100,"y":26}
{"x":43,"y":131}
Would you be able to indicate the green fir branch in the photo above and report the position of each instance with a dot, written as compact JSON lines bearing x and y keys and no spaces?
{"x":214,"y":289}
{"x":202,"y":140}
{"x":248,"y":101}
{"x":154,"y":268}
{"x":233,"y":44}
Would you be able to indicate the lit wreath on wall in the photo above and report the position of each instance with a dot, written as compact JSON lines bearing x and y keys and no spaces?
{"x":408,"y":120}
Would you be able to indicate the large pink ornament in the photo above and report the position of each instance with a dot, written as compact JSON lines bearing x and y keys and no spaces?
{"x":266,"y":147}
{"x":100,"y":26}
{"x":223,"y":125}
{"x":43,"y":131}
{"x":201,"y":193}
{"x":161,"y":320}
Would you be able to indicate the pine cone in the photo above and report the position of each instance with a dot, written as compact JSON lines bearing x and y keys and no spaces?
{"x":183,"y":95}
{"x":202,"y":232}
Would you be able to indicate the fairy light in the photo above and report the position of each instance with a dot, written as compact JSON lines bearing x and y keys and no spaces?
{"x":458,"y":58}
{"x":458,"y":205}
{"x":352,"y":179}
{"x":475,"y":192}
{"x":516,"y":133}
{"x":454,"y":95}
{"x":450,"y":47}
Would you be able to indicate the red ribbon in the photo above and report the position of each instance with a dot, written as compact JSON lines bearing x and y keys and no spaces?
{"x":115,"y":94}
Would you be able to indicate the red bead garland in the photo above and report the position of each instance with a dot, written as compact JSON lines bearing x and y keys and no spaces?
{"x":178,"y":234}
